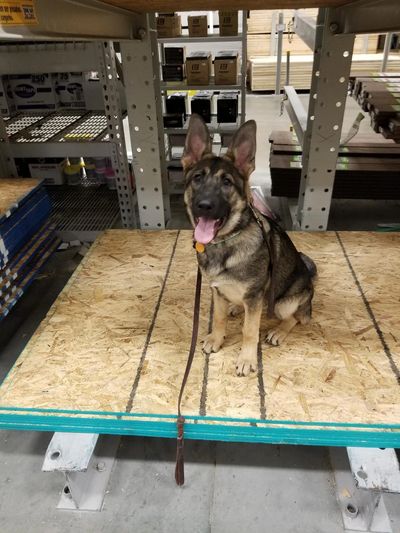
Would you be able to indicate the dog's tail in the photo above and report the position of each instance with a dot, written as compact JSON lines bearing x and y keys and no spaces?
{"x":311,"y":266}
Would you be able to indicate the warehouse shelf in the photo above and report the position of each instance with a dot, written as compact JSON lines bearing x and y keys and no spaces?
{"x":39,"y":57}
{"x":83,"y":212}
{"x":211,"y":38}
{"x":67,"y":133}
{"x":213,"y":126}
{"x":212,"y":86}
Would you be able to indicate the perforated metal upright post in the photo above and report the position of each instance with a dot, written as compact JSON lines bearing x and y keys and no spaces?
{"x":109,"y":80}
{"x":330,"y":74}
{"x":7,"y":164}
{"x":143,"y":97}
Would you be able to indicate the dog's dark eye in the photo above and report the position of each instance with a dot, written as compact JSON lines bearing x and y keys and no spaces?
{"x":226,"y":181}
{"x":197,"y":177}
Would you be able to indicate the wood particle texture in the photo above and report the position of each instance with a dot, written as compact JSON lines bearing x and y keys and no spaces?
{"x":13,"y":190}
{"x":118,"y":336}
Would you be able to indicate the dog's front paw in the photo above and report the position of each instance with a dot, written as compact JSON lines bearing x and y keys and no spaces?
{"x":247,"y":362}
{"x":212,"y":343}
{"x":276,"y":336}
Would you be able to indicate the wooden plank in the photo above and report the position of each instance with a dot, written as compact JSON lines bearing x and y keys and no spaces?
{"x":142,"y":6}
{"x":129,"y":307}
{"x":262,"y":69}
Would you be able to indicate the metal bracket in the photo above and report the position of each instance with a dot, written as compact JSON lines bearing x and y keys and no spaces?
{"x":8,"y":168}
{"x":305,"y":28}
{"x":296,"y":112}
{"x":375,"y":468}
{"x":362,"y":510}
{"x":87,"y":461}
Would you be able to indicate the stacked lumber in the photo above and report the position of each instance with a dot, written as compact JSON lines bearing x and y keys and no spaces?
{"x":262,"y":70}
{"x":368,"y":167}
{"x":264,"y":21}
{"x":379,"y":95}
{"x":27,"y":239}
{"x":264,"y":44}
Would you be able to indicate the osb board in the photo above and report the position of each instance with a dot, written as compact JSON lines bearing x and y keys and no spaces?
{"x":143,"y":6}
{"x":13,"y":190}
{"x":117,"y":337}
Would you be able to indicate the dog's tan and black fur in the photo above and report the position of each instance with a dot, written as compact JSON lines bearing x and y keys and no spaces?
{"x":236,"y":261}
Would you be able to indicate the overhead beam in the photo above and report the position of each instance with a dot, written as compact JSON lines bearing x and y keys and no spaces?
{"x":366,"y":16}
{"x":75,"y":19}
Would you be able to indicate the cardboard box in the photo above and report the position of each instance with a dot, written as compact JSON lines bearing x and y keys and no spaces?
{"x":7,"y":104}
{"x":198,"y":26}
{"x":226,"y":68}
{"x":198,"y":68}
{"x":51,"y":173}
{"x":33,"y":91}
{"x":228,"y":23}
{"x":70,"y":89}
{"x":168,"y":25}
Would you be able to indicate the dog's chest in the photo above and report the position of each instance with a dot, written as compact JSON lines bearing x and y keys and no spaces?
{"x":219,"y":276}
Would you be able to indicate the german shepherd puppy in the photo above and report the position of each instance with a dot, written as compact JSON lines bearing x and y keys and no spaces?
{"x":232,"y":251}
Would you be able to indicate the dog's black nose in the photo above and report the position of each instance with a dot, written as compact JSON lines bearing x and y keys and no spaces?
{"x":205,"y":205}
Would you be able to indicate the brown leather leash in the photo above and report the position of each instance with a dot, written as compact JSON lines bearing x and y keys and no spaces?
{"x":179,"y":468}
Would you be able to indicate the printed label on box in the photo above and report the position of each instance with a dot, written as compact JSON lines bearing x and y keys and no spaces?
{"x":17,"y":12}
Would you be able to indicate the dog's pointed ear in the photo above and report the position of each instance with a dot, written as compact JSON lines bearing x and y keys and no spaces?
{"x":197,"y":142}
{"x":242,"y":150}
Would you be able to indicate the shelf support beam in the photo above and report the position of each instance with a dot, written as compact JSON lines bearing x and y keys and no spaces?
{"x":143,"y":98}
{"x":305,"y":28}
{"x":296,"y":112}
{"x":330,"y":74}
{"x":119,"y":158}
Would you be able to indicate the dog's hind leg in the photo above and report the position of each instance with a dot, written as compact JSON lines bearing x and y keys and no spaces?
{"x":214,"y":341}
{"x":247,"y":360}
{"x":286,"y":310}
{"x":277,"y":335}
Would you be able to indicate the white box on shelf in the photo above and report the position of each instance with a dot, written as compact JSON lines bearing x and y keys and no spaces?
{"x":51,"y":173}
{"x":33,"y":91}
{"x":70,"y":89}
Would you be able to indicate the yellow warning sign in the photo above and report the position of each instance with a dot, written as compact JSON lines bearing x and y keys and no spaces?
{"x":17,"y":12}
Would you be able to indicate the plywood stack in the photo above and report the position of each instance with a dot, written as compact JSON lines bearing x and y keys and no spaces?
{"x":262,"y":70}
{"x":266,"y":44}
{"x":380,"y":97}
{"x":367,"y":167}
{"x":27,"y":239}
{"x":262,"y":37}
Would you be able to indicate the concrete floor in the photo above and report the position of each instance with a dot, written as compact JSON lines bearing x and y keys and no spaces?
{"x":230,"y":487}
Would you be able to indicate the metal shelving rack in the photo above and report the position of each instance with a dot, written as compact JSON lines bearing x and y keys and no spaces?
{"x":331,"y":37}
{"x":56,"y":134}
{"x":318,"y":131}
{"x":214,"y":127}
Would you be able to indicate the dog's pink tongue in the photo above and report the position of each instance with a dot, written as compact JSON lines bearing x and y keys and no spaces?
{"x":205,"y":230}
